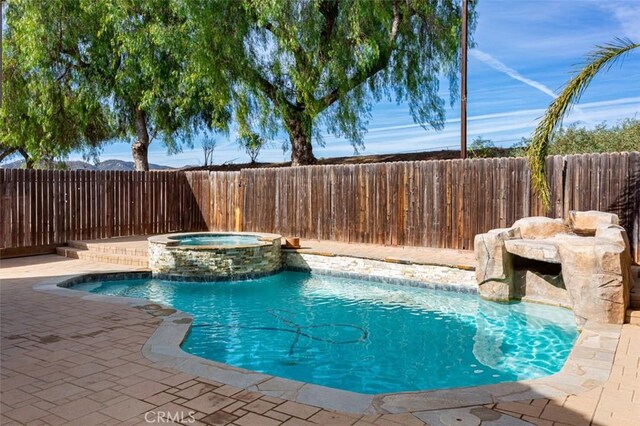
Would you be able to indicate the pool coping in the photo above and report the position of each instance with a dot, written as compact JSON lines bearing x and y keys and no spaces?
{"x":588,"y":365}
{"x":387,"y":259}
{"x":170,"y":240}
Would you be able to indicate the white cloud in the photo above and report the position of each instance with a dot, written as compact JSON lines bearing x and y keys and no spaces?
{"x":499,"y":66}
{"x":628,"y":15}
{"x":594,"y":109}
{"x":507,"y":127}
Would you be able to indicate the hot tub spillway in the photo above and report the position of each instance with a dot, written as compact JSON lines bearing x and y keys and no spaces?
{"x":171,"y":259}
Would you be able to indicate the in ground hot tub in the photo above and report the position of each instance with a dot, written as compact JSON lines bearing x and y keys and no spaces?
{"x":214,"y":256}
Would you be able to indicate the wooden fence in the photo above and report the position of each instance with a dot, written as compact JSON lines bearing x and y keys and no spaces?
{"x":434,"y":203}
{"x":426,"y":203}
{"x":42,"y":209}
{"x":219,"y":199}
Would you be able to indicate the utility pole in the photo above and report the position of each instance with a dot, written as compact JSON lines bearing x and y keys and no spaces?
{"x":463,"y":84}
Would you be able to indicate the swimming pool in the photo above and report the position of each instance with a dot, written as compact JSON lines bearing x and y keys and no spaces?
{"x":360,"y":335}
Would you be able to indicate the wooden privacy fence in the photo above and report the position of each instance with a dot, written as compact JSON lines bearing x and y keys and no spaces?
{"x":42,"y":209}
{"x":219,"y":199}
{"x":434,"y":203}
{"x":426,"y":203}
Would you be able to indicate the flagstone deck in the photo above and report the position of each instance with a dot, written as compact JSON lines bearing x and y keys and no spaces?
{"x":66,"y":360}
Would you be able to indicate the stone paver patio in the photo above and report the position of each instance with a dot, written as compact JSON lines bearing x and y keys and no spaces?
{"x":72,"y":361}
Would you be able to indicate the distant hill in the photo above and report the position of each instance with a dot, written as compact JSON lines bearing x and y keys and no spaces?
{"x":103,"y":165}
{"x":357,"y":159}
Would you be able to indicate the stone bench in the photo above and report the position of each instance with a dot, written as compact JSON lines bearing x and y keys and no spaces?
{"x":542,"y":250}
{"x":582,"y":263}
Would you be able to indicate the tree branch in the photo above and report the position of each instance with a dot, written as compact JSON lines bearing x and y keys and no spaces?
{"x":329,"y":10}
{"x":273,"y":93}
{"x":28,"y":161}
{"x":301,"y":60}
{"x":382,"y":62}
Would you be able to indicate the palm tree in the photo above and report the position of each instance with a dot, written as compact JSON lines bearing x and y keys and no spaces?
{"x":602,"y":58}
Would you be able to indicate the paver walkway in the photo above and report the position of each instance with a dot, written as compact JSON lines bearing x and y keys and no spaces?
{"x":71,"y":361}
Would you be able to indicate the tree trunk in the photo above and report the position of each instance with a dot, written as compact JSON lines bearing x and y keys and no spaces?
{"x":299,"y":129}
{"x":140,"y":148}
{"x":28,"y":161}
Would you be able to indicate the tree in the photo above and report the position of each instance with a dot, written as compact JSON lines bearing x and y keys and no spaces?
{"x":300,"y":65}
{"x":139,"y":64}
{"x":602,"y":58}
{"x":82,"y":73}
{"x":252,"y":144}
{"x":208,"y":146}
{"x":47,"y":111}
{"x":482,"y":148}
{"x":624,"y":136}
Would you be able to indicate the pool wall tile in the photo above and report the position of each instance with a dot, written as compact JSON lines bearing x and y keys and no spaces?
{"x":404,"y":273}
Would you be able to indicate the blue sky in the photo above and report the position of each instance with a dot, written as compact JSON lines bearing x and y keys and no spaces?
{"x":525,"y":52}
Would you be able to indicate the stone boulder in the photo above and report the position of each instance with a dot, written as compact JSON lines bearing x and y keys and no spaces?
{"x":594,"y":271}
{"x":539,"y":227}
{"x":532,"y":286}
{"x":586,"y":223}
{"x":494,"y":270}
{"x":613,"y":233}
{"x":542,"y":250}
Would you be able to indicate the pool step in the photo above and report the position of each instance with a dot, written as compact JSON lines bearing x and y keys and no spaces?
{"x":102,"y":247}
{"x":104,"y":257}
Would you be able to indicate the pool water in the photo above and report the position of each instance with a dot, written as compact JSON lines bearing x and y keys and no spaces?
{"x":362,"y":336}
{"x":217,"y":240}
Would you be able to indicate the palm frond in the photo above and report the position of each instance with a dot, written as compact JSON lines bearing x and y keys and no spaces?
{"x":602,"y":58}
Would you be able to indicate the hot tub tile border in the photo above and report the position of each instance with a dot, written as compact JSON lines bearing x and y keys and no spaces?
{"x":174,"y":262}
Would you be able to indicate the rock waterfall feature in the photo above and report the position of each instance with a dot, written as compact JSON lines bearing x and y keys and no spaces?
{"x":582,"y":263}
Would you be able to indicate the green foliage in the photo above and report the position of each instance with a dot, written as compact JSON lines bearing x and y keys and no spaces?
{"x":80,"y":73}
{"x":602,"y":58}
{"x":520,"y":148}
{"x":138,"y":55}
{"x":252,"y":144}
{"x":47,"y":110}
{"x":482,"y":148}
{"x":303,"y":65}
{"x":624,"y":136}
